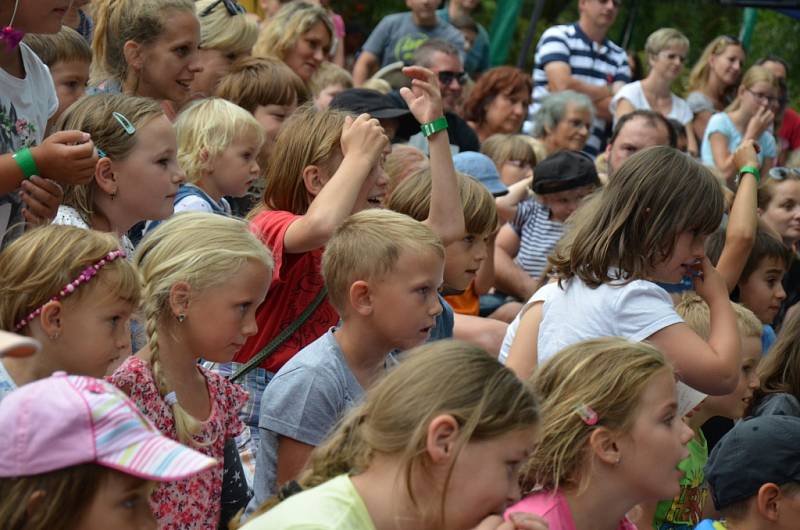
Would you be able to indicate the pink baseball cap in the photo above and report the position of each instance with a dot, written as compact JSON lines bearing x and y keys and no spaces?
{"x":67,"y":420}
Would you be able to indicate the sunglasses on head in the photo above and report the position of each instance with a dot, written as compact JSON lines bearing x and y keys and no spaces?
{"x":446,"y":77}
{"x":232,"y":6}
{"x":783,"y":173}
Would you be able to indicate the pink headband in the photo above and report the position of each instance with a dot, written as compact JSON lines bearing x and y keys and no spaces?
{"x":87,"y":274}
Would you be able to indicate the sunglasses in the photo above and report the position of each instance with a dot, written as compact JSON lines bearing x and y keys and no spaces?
{"x":445,"y":78}
{"x":232,"y":6}
{"x":783,"y":173}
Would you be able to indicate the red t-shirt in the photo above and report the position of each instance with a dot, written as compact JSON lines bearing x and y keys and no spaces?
{"x":790,"y":130}
{"x":295,"y":283}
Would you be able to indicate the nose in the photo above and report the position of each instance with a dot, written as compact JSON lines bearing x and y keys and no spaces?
{"x":481,"y":250}
{"x":686,"y":433}
{"x":195,"y":66}
{"x":514,"y":493}
{"x":754,"y":381}
{"x":255,"y":168}
{"x":319,"y":55}
{"x":435,"y":308}
{"x":179,"y":177}
{"x":780,"y":293}
{"x":249,"y":324}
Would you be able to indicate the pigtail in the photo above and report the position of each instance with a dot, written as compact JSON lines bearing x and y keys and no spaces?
{"x":107,"y":14}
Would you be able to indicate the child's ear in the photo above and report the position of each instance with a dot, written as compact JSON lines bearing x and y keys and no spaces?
{"x":361,"y":297}
{"x":132,"y":51}
{"x":50,"y":319}
{"x":442,"y":438}
{"x":604,"y":446}
{"x":179,"y":295}
{"x":768,"y":499}
{"x":104,"y":176}
{"x":313,"y":179}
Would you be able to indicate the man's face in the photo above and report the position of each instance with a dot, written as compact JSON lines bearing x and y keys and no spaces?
{"x":635,"y":135}
{"x":443,"y":65}
{"x":600,"y":13}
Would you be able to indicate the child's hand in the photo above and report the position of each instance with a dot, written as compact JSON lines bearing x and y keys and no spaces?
{"x":424,"y":98}
{"x":66,"y":156}
{"x":364,"y":138}
{"x":758,"y":123}
{"x":517,"y":521}
{"x":746,"y":154}
{"x":41,"y":197}
{"x":710,"y":285}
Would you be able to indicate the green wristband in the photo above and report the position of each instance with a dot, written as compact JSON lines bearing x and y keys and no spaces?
{"x":752,"y":170}
{"x":433,"y":127}
{"x":25,"y":161}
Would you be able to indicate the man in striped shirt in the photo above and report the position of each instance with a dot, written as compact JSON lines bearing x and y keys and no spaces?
{"x":579,"y":57}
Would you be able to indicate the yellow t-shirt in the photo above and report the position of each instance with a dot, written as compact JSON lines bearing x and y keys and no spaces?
{"x":334,"y":505}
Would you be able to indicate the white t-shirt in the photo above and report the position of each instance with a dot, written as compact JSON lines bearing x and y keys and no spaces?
{"x":67,"y":215}
{"x":543,"y":294}
{"x":635,"y":95}
{"x":576,"y":312}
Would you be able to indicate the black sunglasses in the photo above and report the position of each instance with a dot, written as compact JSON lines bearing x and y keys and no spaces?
{"x":446,"y":78}
{"x":232,"y":6}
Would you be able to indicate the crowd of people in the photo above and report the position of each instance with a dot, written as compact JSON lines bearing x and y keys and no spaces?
{"x":251,"y":279}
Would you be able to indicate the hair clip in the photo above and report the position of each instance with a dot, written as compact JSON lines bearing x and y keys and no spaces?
{"x":587,"y":414}
{"x":125,"y":122}
{"x":100,"y":152}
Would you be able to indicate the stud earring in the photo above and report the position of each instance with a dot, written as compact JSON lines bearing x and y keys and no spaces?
{"x":181,"y":318}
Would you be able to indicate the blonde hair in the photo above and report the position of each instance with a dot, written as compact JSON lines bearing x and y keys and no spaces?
{"x":413,"y":197}
{"x":634,"y":221}
{"x":753,"y":75}
{"x":404,"y":161}
{"x":204,"y":250}
{"x":694,"y":311}
{"x":663,"y":38}
{"x":66,"y":45}
{"x":293,"y":20}
{"x":261,"y":81}
{"x":308,"y":137}
{"x":486,"y":399}
{"x":367,"y":245}
{"x":504,"y":147}
{"x":219,"y":30}
{"x":94,"y":115}
{"x":119,"y":21}
{"x":206,"y":128}
{"x":608,"y":375}
{"x":377,"y":84}
{"x":329,"y":74}
{"x":41,"y":262}
{"x":698,"y":77}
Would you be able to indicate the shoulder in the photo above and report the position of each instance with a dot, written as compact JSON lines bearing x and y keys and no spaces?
{"x":322,"y":358}
{"x":780,"y":403}
{"x":719,"y":122}
{"x":133,"y":376}
{"x":67,"y":215}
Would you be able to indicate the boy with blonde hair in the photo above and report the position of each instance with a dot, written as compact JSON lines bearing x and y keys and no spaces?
{"x":329,"y":80}
{"x":382,"y":270}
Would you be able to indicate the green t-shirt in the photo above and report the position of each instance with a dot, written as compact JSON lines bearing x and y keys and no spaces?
{"x":333,"y":505}
{"x":686,"y":509}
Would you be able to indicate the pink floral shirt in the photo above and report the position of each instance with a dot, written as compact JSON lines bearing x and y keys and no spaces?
{"x":192,"y":503}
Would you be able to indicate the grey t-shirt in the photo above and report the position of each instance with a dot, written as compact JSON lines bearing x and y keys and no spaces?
{"x":778,"y":404}
{"x":699,"y":102}
{"x":303,"y":401}
{"x":396,"y":38}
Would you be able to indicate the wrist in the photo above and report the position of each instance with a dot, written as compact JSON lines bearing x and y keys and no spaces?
{"x":432,"y":127}
{"x":749,"y":169}
{"x":26,"y":162}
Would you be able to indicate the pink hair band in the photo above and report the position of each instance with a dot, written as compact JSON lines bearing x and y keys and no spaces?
{"x":87,"y":274}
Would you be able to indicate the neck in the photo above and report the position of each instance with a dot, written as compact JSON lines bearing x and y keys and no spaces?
{"x":11,"y":62}
{"x":740,"y":117}
{"x":599,"y":507}
{"x":715,"y":89}
{"x":455,"y":10}
{"x":106,"y":218}
{"x":658,"y":86}
{"x":207,"y":185}
{"x":592,"y":31}
{"x":424,"y":23}
{"x":364,"y":351}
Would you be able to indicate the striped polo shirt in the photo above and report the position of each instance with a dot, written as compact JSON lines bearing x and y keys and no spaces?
{"x":538,"y":236}
{"x":591,"y":63}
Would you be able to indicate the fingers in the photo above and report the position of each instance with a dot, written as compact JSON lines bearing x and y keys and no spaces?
{"x":528,"y":521}
{"x":41,"y":197}
{"x":68,"y":137}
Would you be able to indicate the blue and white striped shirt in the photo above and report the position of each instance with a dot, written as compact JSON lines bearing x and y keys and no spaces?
{"x":538,"y":236}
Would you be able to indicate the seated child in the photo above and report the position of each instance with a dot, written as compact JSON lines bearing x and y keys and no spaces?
{"x":68,"y":56}
{"x":779,"y":392}
{"x":329,"y":80}
{"x":76,"y":454}
{"x":382,"y":270}
{"x":754,"y":476}
{"x":512,"y":154}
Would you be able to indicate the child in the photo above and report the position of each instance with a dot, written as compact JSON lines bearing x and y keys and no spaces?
{"x":327,"y":166}
{"x":685,"y":509}
{"x":75,"y":454}
{"x":766,"y":494}
{"x":138,"y":175}
{"x":513,"y":156}
{"x":611,"y":436}
{"x":203,"y":276}
{"x":68,"y":56}
{"x":73,"y":291}
{"x":648,"y":224}
{"x":412,"y":450}
{"x":329,"y":80}
{"x":218,"y":147}
{"x":382,"y":270}
{"x":779,"y":392}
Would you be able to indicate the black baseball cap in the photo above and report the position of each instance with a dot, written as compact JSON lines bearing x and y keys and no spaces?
{"x":564,"y":170}
{"x":756,"y":451}
{"x":372,"y":102}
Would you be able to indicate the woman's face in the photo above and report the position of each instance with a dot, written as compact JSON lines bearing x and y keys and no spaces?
{"x":782,"y":213}
{"x":668,"y":63}
{"x":215,"y":64}
{"x":572,"y":131}
{"x":506,"y":112}
{"x":727,"y":66}
{"x":309,"y":51}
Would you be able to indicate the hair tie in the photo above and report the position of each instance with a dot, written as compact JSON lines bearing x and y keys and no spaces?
{"x":587,"y":414}
{"x":87,"y":274}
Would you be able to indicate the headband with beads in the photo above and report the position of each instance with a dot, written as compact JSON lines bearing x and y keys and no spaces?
{"x":87,"y":274}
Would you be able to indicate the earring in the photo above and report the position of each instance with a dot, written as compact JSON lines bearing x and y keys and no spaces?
{"x":113,"y":195}
{"x":618,"y":460}
{"x":181,"y":317}
{"x":55,"y":336}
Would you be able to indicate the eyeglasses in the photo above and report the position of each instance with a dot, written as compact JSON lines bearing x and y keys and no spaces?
{"x":445,"y":78}
{"x":232,"y":6}
{"x":783,"y":173}
{"x":763,"y":97}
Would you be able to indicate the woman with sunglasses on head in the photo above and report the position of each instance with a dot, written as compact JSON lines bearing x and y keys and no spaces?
{"x":498,"y":103}
{"x":226,"y":34}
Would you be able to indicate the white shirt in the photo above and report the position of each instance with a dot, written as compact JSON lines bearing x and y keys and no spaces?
{"x":543,"y":294}
{"x":635,"y":95}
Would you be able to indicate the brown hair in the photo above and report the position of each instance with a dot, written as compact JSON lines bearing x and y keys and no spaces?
{"x":404,"y":161}
{"x":253,"y":82}
{"x":779,"y":371}
{"x":293,"y":20}
{"x":505,"y":80}
{"x":66,"y":45}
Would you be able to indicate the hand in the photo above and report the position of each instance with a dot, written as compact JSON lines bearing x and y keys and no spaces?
{"x":710,"y":285}
{"x":66,"y":156}
{"x":517,"y":521}
{"x":746,"y":154}
{"x":41,"y":197}
{"x":364,"y":138}
{"x":424,"y":98}
{"x":759,"y":123}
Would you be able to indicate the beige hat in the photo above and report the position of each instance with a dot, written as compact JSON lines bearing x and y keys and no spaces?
{"x":14,"y":345}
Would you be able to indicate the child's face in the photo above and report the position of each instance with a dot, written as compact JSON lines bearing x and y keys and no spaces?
{"x":221,"y":318}
{"x":512,"y":171}
{"x":762,"y":292}
{"x":323,"y":100}
{"x":148,"y":179}
{"x":759,"y":95}
{"x":373,"y":190}
{"x":309,"y":51}
{"x":688,"y":249}
{"x":70,"y":78}
{"x":215,"y":64}
{"x":563,"y":203}
{"x":735,"y":404}
{"x":497,"y":462}
{"x":463,"y":258}
{"x":651,"y":451}
{"x":405,"y":302}
{"x":122,"y":502}
{"x":235,"y":169}
{"x":40,"y":16}
{"x":271,"y":118}
{"x":783,"y":211}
